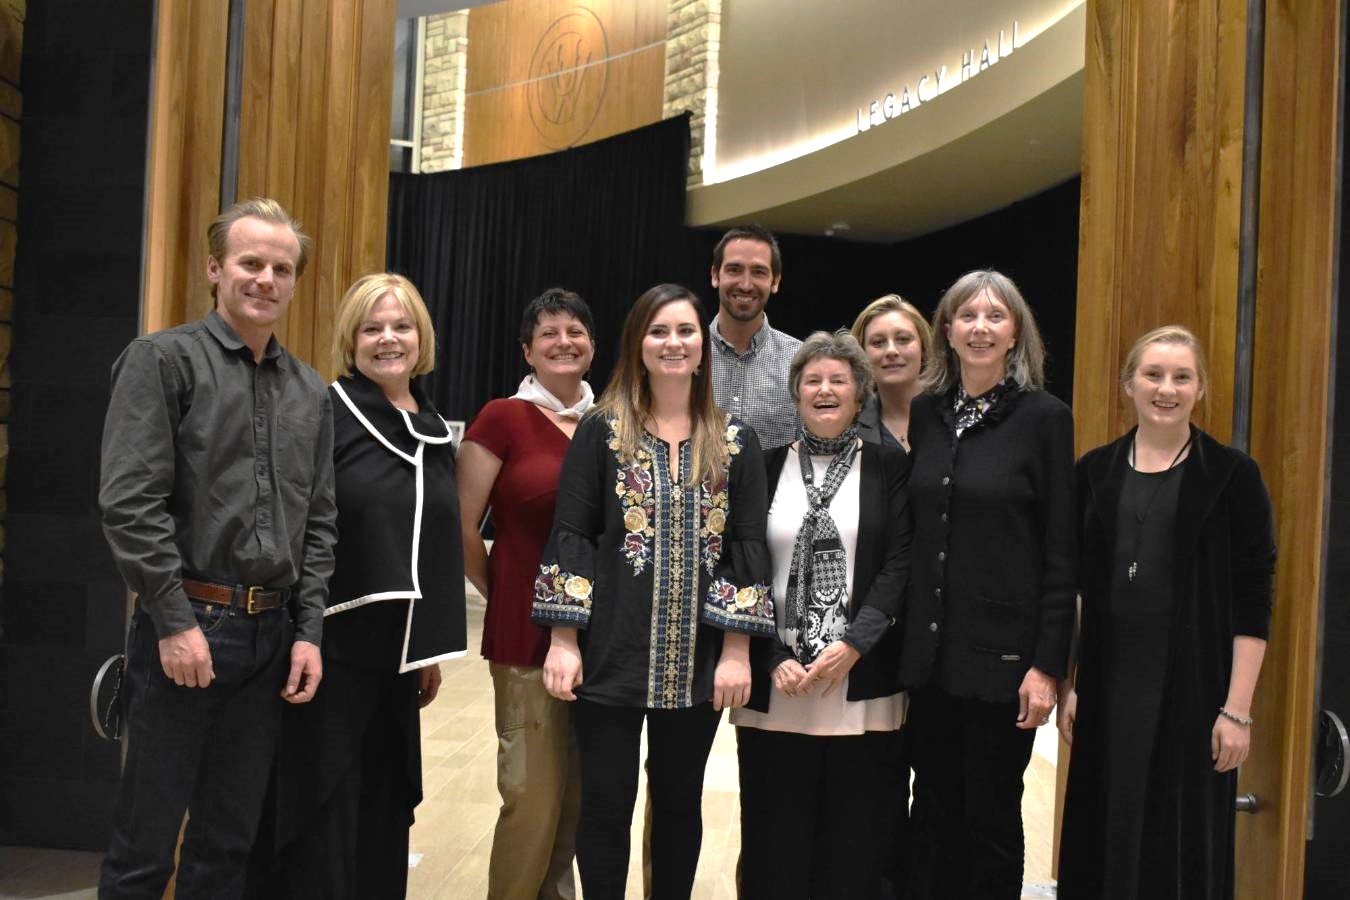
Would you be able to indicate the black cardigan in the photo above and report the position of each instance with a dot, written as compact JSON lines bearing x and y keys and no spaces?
{"x":880,"y":572}
{"x":993,"y":572}
{"x":1223,"y":569}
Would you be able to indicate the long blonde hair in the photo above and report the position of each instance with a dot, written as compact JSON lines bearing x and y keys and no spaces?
{"x":628,"y":396}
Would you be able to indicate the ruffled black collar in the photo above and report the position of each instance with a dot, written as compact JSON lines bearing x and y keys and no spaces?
{"x":397,"y":429}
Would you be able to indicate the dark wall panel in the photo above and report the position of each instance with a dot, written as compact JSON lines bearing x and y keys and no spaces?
{"x":86,"y":77}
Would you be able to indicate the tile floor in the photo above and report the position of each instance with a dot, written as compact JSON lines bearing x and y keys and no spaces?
{"x":453,"y":834}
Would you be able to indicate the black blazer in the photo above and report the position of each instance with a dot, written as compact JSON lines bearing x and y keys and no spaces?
{"x":880,"y":573}
{"x":993,"y":575}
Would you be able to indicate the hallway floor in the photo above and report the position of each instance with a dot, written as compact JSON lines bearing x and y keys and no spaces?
{"x":453,"y":835}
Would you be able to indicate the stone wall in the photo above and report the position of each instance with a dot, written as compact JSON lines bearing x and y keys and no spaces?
{"x":444,"y":67}
{"x":11,"y":108}
{"x":693,"y":40}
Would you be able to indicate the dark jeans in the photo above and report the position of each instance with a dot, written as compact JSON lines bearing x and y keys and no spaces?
{"x":204,"y":750}
{"x":969,"y":757}
{"x":816,"y":813}
{"x":678,"y":743}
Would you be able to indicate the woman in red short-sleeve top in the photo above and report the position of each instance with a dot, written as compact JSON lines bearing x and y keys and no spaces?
{"x":510,"y":462}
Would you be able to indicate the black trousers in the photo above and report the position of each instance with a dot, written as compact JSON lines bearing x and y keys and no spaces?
{"x":816,"y":813}
{"x":207,"y":751}
{"x":348,"y":780}
{"x":969,"y":758}
{"x":678,"y":743}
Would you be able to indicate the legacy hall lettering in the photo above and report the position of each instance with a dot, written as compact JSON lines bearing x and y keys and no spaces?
{"x":930,"y":86}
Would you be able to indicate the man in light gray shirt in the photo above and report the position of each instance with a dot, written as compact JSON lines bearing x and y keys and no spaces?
{"x":749,"y":358}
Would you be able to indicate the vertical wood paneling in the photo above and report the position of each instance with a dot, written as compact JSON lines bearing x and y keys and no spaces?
{"x":184,"y":178}
{"x":1162,"y":155}
{"x":314,"y":134}
{"x":1291,"y":375}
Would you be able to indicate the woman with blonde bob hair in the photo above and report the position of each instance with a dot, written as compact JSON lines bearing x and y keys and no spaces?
{"x":1175,"y":576}
{"x":349,"y":771}
{"x":654,"y":578}
{"x":896,"y":337}
{"x":991,"y":597}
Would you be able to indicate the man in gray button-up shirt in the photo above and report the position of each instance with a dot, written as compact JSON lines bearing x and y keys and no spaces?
{"x":217,"y":499}
{"x":750,"y":360}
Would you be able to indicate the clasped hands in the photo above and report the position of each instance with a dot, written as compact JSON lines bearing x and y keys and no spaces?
{"x":830,"y":668}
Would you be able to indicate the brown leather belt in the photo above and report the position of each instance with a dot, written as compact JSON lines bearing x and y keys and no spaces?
{"x":253,"y":600}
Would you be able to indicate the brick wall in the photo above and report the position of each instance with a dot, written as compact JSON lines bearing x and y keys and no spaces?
{"x":443,"y":77}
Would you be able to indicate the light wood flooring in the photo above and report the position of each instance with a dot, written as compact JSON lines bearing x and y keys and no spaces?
{"x":453,"y":834}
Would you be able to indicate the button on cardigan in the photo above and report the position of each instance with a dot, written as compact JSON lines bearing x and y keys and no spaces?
{"x":993,"y":565}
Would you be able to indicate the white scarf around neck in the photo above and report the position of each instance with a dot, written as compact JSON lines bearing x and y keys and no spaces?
{"x":531,"y":390}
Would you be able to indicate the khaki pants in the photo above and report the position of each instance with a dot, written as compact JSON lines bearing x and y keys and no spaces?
{"x":540,"y":784}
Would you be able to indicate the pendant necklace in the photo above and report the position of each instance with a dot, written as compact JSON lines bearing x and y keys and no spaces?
{"x":1140,"y":517}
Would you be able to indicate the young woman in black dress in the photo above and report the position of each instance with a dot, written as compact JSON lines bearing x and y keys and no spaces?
{"x":1177,"y":561}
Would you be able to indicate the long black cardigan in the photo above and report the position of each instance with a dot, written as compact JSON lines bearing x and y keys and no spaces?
{"x":880,"y":572}
{"x":1223,"y":568}
{"x":992,"y":576}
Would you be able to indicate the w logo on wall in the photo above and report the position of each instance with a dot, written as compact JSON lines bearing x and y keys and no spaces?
{"x":568,"y":76}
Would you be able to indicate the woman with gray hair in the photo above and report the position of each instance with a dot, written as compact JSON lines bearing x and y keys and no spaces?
{"x":825,"y":700}
{"x":991,"y":601}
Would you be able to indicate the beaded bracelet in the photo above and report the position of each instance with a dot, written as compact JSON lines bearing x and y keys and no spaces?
{"x":1245,"y":723}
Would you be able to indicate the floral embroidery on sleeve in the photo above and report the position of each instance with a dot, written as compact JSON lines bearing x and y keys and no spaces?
{"x":561,"y":596}
{"x":748,"y":609}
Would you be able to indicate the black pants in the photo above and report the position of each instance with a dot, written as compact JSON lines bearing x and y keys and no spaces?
{"x":207,"y":751}
{"x":348,"y":779}
{"x":678,"y":743}
{"x":969,"y":758}
{"x":815,"y":813}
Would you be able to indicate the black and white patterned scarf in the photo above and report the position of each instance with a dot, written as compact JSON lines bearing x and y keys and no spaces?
{"x":817,"y":589}
{"x":969,"y":411}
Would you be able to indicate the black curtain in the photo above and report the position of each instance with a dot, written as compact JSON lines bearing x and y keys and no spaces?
{"x":827,"y":281}
{"x":605,"y":220}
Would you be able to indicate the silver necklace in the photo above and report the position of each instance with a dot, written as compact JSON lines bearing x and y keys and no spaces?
{"x":1140,"y":517}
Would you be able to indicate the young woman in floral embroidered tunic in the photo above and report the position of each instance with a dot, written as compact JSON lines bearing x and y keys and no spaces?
{"x":654,"y":578}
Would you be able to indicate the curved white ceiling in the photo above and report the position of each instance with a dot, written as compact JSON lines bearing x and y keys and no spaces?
{"x":1009,"y":132}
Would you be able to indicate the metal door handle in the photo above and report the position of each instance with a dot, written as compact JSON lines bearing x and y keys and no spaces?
{"x":1333,"y":746}
{"x":1246,"y":803}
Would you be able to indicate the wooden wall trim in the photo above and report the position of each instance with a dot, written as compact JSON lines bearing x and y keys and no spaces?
{"x":1162,"y":173}
{"x":314,"y":133}
{"x":318,"y":85}
{"x":1290,"y":422}
{"x":186,"y":122}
